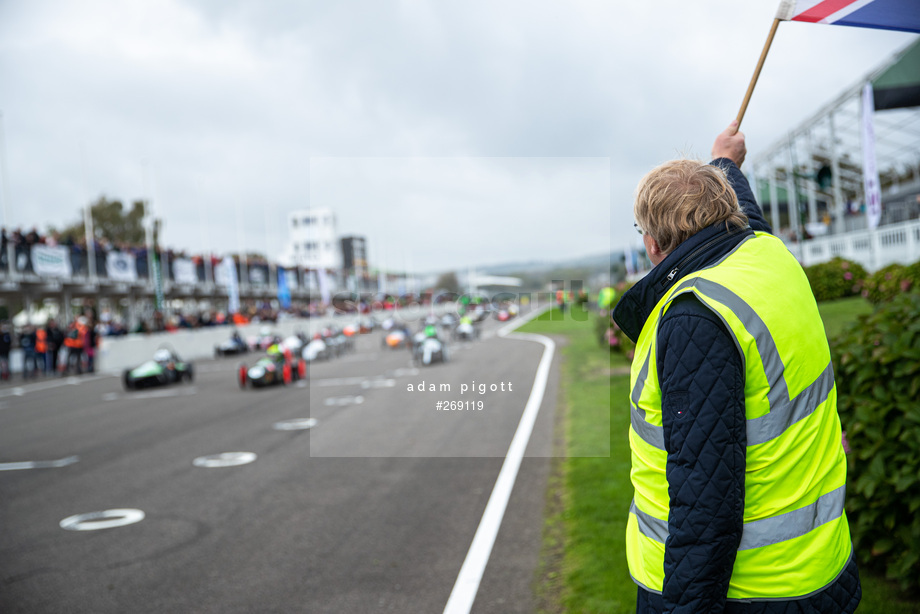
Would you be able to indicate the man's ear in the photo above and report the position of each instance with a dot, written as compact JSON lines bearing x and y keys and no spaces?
{"x":652,"y":249}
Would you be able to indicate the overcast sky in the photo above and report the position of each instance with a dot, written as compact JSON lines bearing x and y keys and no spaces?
{"x":449,"y":133}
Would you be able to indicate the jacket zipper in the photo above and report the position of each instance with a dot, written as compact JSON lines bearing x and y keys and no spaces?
{"x":672,"y":274}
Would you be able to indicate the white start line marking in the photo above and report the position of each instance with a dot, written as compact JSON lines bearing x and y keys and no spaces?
{"x":227,"y":459}
{"x":106,"y":519}
{"x":295,"y":425}
{"x":340,"y":381}
{"x":343,"y":401}
{"x":405,"y":372}
{"x":19,"y":391}
{"x":378,"y":383}
{"x":51,"y":464}
{"x":155,"y":394}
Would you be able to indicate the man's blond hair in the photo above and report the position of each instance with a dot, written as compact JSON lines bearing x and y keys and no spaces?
{"x":676,"y":200}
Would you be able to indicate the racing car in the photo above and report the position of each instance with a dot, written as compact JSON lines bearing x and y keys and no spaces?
{"x":338,"y":341}
{"x":428,"y":348}
{"x":449,"y":321}
{"x":395,"y":339}
{"x":507,"y":311}
{"x":264,"y":340}
{"x":165,"y":368}
{"x":316,"y":349}
{"x":465,"y":330}
{"x":276,"y":367}
{"x":233,"y":345}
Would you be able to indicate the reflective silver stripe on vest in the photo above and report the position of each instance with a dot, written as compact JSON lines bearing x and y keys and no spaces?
{"x":649,"y":433}
{"x":640,"y":382}
{"x":767,"y":531}
{"x":794,"y":524}
{"x":650,"y":526}
{"x":784,"y":411}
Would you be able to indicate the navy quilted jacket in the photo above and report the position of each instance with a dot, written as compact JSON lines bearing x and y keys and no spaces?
{"x":702,"y":389}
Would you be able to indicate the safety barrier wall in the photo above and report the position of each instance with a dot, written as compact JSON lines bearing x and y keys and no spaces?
{"x":118,"y":353}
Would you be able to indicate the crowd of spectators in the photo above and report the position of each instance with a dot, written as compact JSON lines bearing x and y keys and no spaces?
{"x":46,"y":352}
{"x":50,"y":349}
{"x":23,"y":242}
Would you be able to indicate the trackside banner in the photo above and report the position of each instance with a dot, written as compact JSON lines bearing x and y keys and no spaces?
{"x":50,"y":261}
{"x":184,"y":272}
{"x":121,"y":266}
{"x":227,"y":277}
{"x":871,"y":183}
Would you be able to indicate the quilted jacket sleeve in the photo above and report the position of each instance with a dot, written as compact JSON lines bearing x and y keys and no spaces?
{"x":702,"y":385}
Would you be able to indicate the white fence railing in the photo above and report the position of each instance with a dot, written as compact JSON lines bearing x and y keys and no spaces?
{"x":873,"y":249}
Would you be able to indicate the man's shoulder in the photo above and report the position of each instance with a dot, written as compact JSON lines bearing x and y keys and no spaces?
{"x":688,"y":305}
{"x":689,"y":318}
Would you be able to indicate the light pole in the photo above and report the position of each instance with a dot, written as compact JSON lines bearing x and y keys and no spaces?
{"x":5,"y":180}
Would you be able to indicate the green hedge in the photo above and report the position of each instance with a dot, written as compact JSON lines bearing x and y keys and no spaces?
{"x":837,"y":278}
{"x":892,"y":280}
{"x":609,"y":334}
{"x":877,"y":367}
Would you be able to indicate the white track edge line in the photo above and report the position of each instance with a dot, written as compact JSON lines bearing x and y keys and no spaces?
{"x":467,"y":585}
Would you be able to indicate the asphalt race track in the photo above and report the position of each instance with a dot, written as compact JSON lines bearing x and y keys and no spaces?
{"x":373,"y":509}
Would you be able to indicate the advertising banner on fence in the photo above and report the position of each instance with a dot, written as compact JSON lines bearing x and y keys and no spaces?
{"x":324,"y":291}
{"x":871,"y":182}
{"x":284,"y":293}
{"x":228,"y":272}
{"x":50,"y":261}
{"x":221,"y":276}
{"x":184,"y":271}
{"x":292,"y":280}
{"x":121,"y":266}
{"x":257,"y":276}
{"x":157,"y":281}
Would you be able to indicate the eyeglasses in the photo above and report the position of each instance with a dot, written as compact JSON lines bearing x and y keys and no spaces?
{"x":638,"y":228}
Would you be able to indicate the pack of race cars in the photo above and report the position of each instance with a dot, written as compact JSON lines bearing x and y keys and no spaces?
{"x":285,"y":360}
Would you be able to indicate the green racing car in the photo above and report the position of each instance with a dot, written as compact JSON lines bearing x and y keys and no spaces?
{"x":165,"y":368}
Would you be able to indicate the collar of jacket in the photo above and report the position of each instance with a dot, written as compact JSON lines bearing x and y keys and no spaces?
{"x":699,"y":251}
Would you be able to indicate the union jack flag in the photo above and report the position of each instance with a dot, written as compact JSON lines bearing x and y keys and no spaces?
{"x":901,"y":15}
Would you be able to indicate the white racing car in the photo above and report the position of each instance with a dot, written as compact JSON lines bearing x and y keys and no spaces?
{"x":428,"y":348}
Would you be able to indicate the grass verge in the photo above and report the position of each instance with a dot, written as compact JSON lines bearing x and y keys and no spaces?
{"x":583,"y":563}
{"x":839,"y":314}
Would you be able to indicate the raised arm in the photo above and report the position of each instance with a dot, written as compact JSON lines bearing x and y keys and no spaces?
{"x":728,"y":152}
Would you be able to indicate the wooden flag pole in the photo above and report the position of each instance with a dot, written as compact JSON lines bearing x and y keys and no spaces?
{"x":763,"y":57}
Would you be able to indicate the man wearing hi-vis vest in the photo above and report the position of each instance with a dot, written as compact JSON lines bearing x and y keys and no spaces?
{"x":737,"y":459}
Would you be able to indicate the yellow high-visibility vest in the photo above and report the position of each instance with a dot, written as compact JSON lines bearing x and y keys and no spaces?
{"x":796,"y":540}
{"x":605,"y":297}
